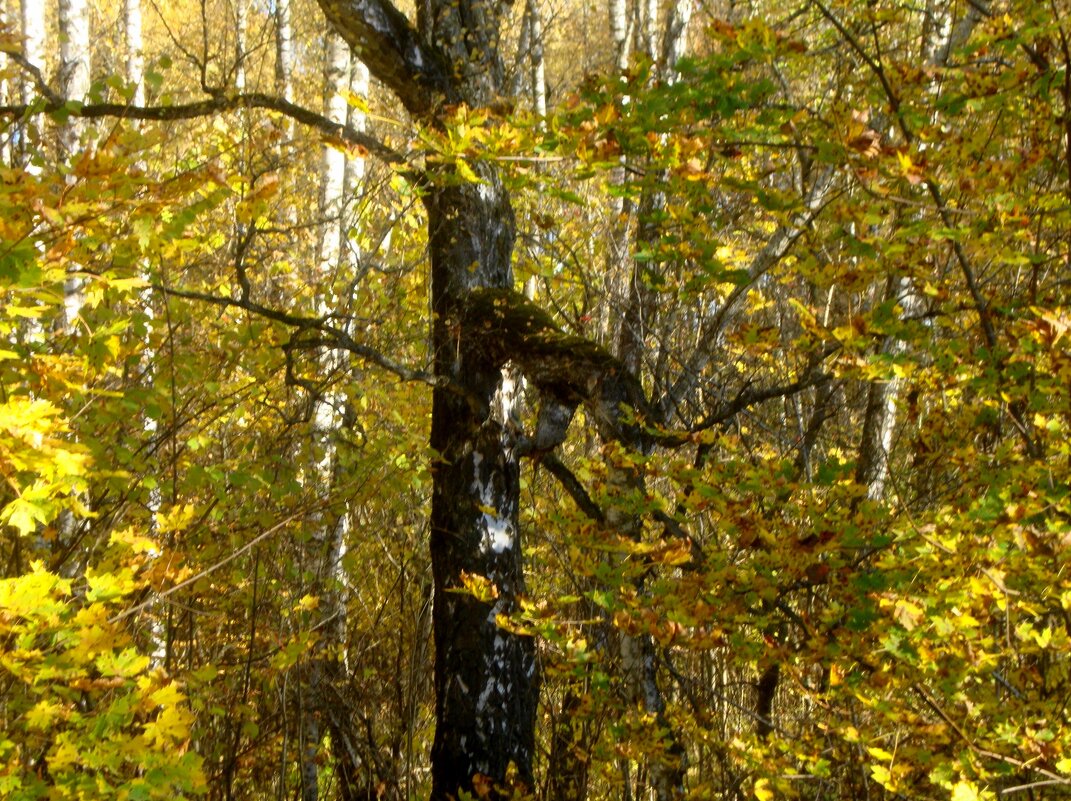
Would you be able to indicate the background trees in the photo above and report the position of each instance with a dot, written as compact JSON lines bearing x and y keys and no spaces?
{"x":779,"y":426}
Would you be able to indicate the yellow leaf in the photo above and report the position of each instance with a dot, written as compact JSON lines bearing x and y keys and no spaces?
{"x":763,"y":791}
{"x":42,"y":715}
{"x":964,"y":791}
{"x":169,"y":695}
{"x":106,"y":586}
{"x":24,"y":516}
{"x":879,"y":753}
{"x":176,"y":518}
{"x":881,"y":775}
{"x":465,"y":171}
{"x":135,"y":542}
{"x":907,"y":614}
{"x":63,"y":755}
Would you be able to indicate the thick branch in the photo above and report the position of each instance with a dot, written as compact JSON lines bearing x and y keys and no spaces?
{"x":504,"y":326}
{"x":215,"y":105}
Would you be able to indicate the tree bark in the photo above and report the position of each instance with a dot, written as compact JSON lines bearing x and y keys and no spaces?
{"x":485,"y":677}
{"x":75,"y":76}
{"x":33,"y":44}
{"x":284,"y":51}
{"x":620,"y":33}
{"x":5,"y":89}
{"x":538,"y":66}
{"x":135,"y":58}
{"x":241,"y":23}
{"x":333,"y":168}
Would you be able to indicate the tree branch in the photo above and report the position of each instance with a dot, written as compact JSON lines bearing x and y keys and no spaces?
{"x":38,"y":78}
{"x":214,"y":105}
{"x":332,"y":336}
{"x":571,"y":484}
{"x":504,"y":326}
{"x":750,"y":396}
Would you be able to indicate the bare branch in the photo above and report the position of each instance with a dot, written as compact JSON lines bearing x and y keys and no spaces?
{"x":331,"y":336}
{"x":47,"y":91}
{"x":218,"y":103}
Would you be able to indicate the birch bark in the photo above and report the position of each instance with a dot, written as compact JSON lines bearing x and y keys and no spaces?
{"x":536,"y":60}
{"x":943,"y":33}
{"x":75,"y":77}
{"x":33,"y":44}
{"x":284,"y":51}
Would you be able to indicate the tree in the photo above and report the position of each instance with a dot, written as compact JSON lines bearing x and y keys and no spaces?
{"x":786,"y":439}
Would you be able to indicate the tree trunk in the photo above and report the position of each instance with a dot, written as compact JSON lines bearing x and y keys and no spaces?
{"x":333,"y":168}
{"x":284,"y":51}
{"x":942,"y":35}
{"x":135,"y":59}
{"x":485,"y":677}
{"x":538,"y":67}
{"x":620,"y":32}
{"x":33,"y":44}
{"x":324,"y":704}
{"x":74,"y":71}
{"x":5,"y":90}
{"x":241,"y":23}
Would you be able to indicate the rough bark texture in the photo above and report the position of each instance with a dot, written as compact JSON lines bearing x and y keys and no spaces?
{"x":485,"y":677}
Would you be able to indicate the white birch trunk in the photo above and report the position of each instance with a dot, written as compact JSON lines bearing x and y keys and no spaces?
{"x":75,"y":76}
{"x":879,"y":423}
{"x":33,"y":43}
{"x":135,"y":58}
{"x":284,"y":51}
{"x":241,"y":23}
{"x":943,"y":33}
{"x":135,"y":79}
{"x":354,"y":167}
{"x":5,"y":93}
{"x":327,"y":546}
{"x":675,"y":40}
{"x":538,"y":66}
{"x":33,"y":49}
{"x":620,"y":32}
{"x":333,"y":165}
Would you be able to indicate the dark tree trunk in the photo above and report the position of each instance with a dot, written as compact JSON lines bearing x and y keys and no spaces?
{"x":485,"y":678}
{"x":484,"y":336}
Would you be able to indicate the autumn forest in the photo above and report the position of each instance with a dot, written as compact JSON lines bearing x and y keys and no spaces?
{"x":632,"y":400}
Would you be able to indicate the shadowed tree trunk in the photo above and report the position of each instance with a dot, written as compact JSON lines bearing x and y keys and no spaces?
{"x":485,"y":677}
{"x":485,"y":336}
